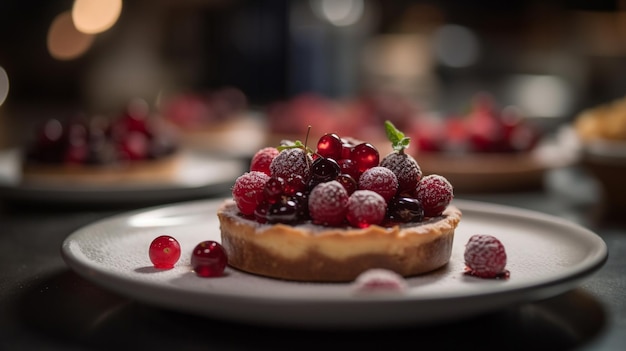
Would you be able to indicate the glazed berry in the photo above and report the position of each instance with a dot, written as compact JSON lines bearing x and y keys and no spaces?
{"x":262,"y":159}
{"x":348,"y":166}
{"x":330,"y":146}
{"x":365,"y":156}
{"x":348,"y":182}
{"x":366,"y":208}
{"x":380,"y":180}
{"x":328,"y":203}
{"x":164,"y":252}
{"x":284,"y":211}
{"x":294,"y":184}
{"x":324,"y":169}
{"x":291,"y":161}
{"x":405,"y":210}
{"x":248,"y":191}
{"x":435,"y":193}
{"x":273,"y":189}
{"x":485,"y":257}
{"x":208,"y":259}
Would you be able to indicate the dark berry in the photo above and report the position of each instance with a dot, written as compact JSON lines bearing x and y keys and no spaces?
{"x":405,"y":210}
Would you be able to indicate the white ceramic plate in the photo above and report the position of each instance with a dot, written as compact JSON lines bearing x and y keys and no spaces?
{"x":199,"y":175}
{"x":546,"y":256}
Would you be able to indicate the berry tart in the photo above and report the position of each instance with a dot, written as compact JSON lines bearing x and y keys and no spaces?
{"x":131,"y":148}
{"x":215,"y":121}
{"x":330,"y":214}
{"x":487,"y":149}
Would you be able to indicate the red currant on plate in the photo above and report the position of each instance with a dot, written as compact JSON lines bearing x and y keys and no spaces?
{"x":209,"y":259}
{"x":164,"y":252}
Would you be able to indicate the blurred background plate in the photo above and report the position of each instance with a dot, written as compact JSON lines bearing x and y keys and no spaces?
{"x":198,"y":176}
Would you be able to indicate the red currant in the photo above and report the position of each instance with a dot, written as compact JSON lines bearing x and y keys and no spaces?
{"x":208,"y":259}
{"x":164,"y":252}
{"x":366,"y":156}
{"x":330,"y":146}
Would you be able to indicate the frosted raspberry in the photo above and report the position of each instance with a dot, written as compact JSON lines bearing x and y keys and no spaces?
{"x":291,"y":161}
{"x":328,"y":203}
{"x":406,"y":169}
{"x":378,"y":280}
{"x":248,"y":191}
{"x":485,"y":257}
{"x":365,"y":208}
{"x":262,"y":159}
{"x":435,"y":193}
{"x":380,"y":180}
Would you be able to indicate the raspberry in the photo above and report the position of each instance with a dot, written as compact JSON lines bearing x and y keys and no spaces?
{"x":291,"y":161}
{"x":248,"y":191}
{"x":380,"y":180}
{"x":405,"y":168}
{"x":485,"y":256}
{"x":435,"y":193}
{"x":328,"y":203}
{"x":262,"y":159}
{"x":379,"y":280}
{"x":365,"y":208}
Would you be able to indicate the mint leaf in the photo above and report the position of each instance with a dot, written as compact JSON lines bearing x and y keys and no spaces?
{"x":398,"y":140}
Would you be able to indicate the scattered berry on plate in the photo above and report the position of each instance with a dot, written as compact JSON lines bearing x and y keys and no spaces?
{"x":485,"y":257}
{"x":378,"y":280}
{"x":164,"y":252}
{"x":208,"y":259}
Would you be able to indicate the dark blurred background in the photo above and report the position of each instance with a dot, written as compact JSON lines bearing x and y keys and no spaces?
{"x":552,"y":58}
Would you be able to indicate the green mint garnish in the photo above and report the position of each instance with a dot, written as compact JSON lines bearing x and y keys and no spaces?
{"x":398,"y":140}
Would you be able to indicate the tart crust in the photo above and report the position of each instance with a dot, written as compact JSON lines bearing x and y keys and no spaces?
{"x":315,"y":253}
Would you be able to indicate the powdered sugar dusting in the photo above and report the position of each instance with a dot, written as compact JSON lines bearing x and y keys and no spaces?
{"x":435,"y":193}
{"x":365,"y":208}
{"x":406,"y":169}
{"x":289,"y":162}
{"x":328,"y":203}
{"x":378,"y":280}
{"x":381,"y":180}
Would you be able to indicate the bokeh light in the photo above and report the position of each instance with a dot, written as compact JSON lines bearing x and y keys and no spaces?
{"x":95,"y":16}
{"x":338,"y":12}
{"x":64,"y":41}
{"x":4,"y":85}
{"x":456,"y":46}
{"x":541,"y":95}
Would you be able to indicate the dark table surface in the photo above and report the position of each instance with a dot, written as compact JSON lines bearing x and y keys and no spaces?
{"x":46,"y":306}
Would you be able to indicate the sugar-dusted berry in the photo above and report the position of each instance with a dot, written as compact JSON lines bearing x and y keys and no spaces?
{"x":328,"y":203}
{"x":435,"y":193}
{"x":406,"y":169}
{"x":380,"y":180}
{"x":485,"y":257}
{"x":262,"y":159}
{"x":366,"y":208}
{"x":291,"y":161}
{"x":248,"y":191}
